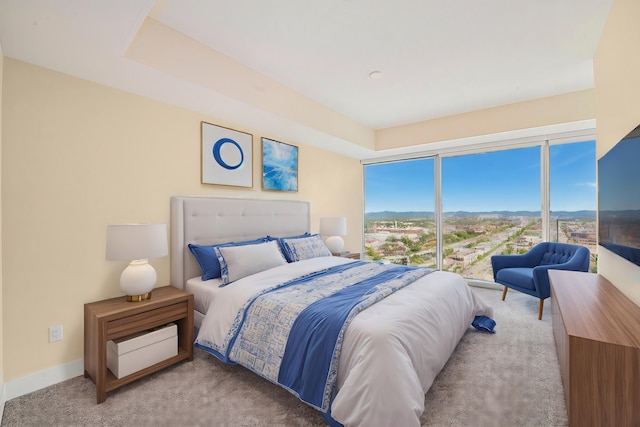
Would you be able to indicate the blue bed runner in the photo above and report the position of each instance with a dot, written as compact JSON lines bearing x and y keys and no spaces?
{"x":310,"y":359}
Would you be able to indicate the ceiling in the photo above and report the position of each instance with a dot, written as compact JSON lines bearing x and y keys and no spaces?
{"x":437,"y":57}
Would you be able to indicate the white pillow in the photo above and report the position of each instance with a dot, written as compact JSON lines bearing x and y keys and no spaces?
{"x":237,"y":262}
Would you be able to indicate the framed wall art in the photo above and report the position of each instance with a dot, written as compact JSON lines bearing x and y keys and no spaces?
{"x":279,"y":166}
{"x":227,"y":156}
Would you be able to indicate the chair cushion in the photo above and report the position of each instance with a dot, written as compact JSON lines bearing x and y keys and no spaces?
{"x":557,"y":253}
{"x":519,"y":276}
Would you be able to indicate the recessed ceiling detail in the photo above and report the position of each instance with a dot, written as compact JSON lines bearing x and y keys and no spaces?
{"x":446,"y":58}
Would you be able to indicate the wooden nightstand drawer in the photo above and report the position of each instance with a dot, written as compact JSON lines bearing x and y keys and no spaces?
{"x":149,"y":319}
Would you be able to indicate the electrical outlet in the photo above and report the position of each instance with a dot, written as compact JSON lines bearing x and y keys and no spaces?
{"x":55,"y":333}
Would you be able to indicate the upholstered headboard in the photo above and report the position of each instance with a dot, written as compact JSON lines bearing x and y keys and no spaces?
{"x":210,"y":220}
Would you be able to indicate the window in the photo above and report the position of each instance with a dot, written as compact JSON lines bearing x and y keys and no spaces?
{"x":490,"y":204}
{"x":453,"y":210}
{"x":399,"y":212}
{"x":572,"y":190}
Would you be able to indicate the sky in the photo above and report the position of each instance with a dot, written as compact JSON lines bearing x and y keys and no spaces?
{"x":507,"y":180}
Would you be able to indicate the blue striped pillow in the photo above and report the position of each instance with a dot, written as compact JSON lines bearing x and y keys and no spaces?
{"x":298,"y":249}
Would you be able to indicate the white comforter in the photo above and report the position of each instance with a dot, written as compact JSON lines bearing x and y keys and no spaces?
{"x":392,"y":351}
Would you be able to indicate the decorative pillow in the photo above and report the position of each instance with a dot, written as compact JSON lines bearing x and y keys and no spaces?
{"x":297,"y":249}
{"x":237,"y":262}
{"x":307,"y":234}
{"x":279,"y":240}
{"x":208,"y":260}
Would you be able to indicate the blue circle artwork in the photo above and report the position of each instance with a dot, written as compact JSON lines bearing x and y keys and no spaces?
{"x":218,"y":156}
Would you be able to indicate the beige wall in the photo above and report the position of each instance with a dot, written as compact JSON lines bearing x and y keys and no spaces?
{"x":617,"y":94}
{"x":553,"y":110}
{"x":1,"y":273}
{"x":77,"y":156}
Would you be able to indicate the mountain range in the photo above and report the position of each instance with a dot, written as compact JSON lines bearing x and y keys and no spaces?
{"x":422,"y":214}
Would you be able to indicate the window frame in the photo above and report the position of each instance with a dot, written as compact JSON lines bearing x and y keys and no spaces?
{"x":544,"y":141}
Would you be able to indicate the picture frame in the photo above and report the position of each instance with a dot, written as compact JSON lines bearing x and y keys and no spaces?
{"x":279,"y":166}
{"x":227,"y":156}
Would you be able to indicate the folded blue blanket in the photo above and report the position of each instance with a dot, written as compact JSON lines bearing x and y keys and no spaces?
{"x":484,"y":323}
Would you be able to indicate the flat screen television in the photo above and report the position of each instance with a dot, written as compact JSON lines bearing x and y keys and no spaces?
{"x":619,"y":198}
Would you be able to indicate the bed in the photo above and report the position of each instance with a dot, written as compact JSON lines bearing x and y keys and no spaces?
{"x":394,"y":341}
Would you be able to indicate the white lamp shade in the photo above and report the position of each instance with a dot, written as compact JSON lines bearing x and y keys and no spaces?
{"x":333,"y":226}
{"x":126,"y":242}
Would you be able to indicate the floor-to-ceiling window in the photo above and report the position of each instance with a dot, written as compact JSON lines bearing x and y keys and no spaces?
{"x":572,"y":191}
{"x":454,"y":210}
{"x":490,"y":204}
{"x":399,"y":212}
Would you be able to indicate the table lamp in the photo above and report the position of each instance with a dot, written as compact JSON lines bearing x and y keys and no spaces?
{"x":334,"y":227}
{"x":137,"y":243}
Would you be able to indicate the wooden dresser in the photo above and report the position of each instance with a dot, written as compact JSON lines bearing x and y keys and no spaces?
{"x":597,"y":334}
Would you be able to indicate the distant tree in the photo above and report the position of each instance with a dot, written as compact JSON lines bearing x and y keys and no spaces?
{"x":372,"y":254}
{"x":424,"y":238}
{"x":450,"y":238}
{"x":594,"y":263}
{"x":416,"y":260}
{"x":388,"y":248}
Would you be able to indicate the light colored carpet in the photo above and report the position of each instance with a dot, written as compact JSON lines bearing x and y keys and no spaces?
{"x":510,"y":378}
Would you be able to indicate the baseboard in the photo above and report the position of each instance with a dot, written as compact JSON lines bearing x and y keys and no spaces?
{"x":483,"y":284}
{"x":42,"y":379}
{"x":3,"y":396}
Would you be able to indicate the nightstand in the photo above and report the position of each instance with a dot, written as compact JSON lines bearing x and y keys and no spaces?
{"x":116,"y":317}
{"x":352,"y":255}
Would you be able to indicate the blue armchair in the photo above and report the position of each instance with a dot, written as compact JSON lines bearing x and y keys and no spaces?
{"x":527,"y":273}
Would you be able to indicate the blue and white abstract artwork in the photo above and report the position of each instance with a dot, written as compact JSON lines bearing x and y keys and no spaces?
{"x":227,"y":156}
{"x":279,"y":166}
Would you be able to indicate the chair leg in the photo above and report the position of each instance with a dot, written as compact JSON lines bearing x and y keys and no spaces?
{"x":540,"y":309}
{"x":504,"y":293}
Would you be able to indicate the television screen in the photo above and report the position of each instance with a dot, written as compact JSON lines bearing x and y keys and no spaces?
{"x":619,"y":198}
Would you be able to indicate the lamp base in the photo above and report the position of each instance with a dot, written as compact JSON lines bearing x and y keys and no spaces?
{"x":138,"y":280}
{"x":137,"y":298}
{"x":335,"y":244}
